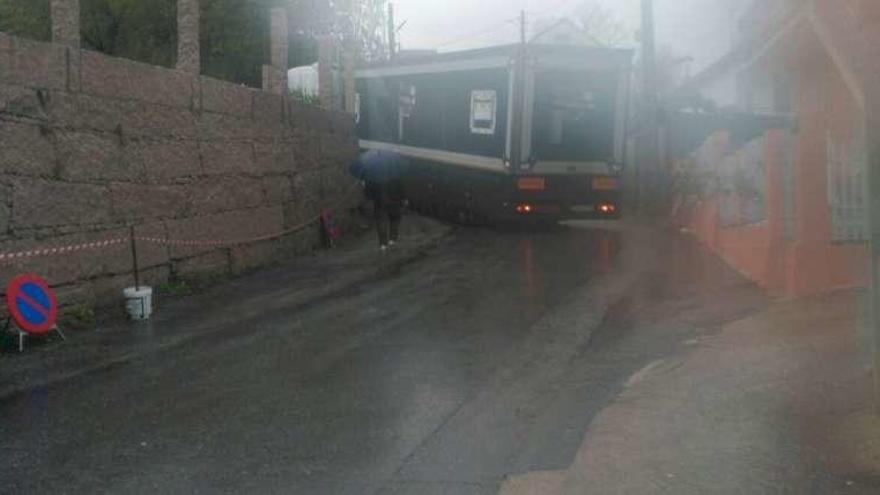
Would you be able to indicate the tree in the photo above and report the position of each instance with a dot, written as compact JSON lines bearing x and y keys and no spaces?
{"x":235,"y":39}
{"x":26,"y":18}
{"x":368,"y":29}
{"x":601,"y":24}
{"x":133,"y":29}
{"x":361,"y":23}
{"x":144,"y":31}
{"x":234,"y":33}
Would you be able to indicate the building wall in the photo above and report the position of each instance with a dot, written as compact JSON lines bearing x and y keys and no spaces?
{"x":809,"y":259}
{"x":91,"y":144}
{"x":826,"y":110}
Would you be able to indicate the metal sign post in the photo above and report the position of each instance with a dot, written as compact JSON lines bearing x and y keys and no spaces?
{"x":649,"y":183}
{"x":519,"y":68}
{"x":20,"y":335}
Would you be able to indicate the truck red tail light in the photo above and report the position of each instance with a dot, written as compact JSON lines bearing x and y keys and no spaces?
{"x":524,"y":208}
{"x":607,"y":208}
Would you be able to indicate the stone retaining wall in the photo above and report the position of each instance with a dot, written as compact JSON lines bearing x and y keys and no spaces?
{"x":91,"y":144}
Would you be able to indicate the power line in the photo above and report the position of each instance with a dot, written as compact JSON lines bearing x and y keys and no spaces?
{"x":533,"y":15}
{"x":479,"y":33}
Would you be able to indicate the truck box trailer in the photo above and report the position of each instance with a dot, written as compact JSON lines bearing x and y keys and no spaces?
{"x":509,"y":131}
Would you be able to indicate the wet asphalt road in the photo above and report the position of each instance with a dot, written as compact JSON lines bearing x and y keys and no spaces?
{"x":487,"y":358}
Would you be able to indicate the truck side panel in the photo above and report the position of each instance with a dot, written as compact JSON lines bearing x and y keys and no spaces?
{"x":433,"y":111}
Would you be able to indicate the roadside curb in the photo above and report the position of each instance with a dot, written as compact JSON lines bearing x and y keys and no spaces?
{"x":404,"y":256}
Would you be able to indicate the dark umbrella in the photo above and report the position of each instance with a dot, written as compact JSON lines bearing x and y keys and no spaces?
{"x":378,"y":166}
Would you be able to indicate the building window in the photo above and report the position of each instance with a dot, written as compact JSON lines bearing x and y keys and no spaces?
{"x":484,"y":110}
{"x":847,"y":196}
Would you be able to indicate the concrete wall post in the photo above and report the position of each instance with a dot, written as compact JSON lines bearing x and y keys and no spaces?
{"x":65,"y":22}
{"x":327,"y":68}
{"x":188,"y":48}
{"x":275,"y":74}
{"x":348,"y":67}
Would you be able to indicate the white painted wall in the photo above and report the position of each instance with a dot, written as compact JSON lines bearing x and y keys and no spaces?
{"x":304,"y":78}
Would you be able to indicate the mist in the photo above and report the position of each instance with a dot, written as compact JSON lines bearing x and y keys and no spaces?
{"x":701,"y":29}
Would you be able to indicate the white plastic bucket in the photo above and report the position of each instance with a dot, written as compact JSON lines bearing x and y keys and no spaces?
{"x":139,"y":302}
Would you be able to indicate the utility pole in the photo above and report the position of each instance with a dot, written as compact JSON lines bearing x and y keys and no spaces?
{"x":519,"y":69}
{"x":649,"y":167}
{"x":872,"y":134}
{"x":392,"y":33}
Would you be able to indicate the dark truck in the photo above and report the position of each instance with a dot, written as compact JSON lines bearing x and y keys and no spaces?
{"x":511,"y":131}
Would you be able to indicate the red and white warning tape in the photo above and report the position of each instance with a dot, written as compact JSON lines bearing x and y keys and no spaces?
{"x":36,"y":253}
{"x":51,"y":251}
{"x":217,"y":242}
{"x":178,"y":242}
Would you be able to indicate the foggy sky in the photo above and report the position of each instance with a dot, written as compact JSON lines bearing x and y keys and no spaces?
{"x":702,"y":29}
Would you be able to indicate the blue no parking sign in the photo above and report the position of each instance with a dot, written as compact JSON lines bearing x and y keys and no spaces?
{"x":32,"y":304}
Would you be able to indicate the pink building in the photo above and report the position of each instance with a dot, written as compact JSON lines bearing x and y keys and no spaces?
{"x":788,"y":207}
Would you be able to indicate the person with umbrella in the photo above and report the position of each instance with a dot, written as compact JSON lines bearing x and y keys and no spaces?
{"x":381,"y":172}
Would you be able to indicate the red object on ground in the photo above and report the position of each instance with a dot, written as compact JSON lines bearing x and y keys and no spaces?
{"x":330,"y":227}
{"x":32,"y":304}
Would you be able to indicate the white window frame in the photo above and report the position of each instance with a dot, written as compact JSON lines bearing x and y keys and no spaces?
{"x":484,"y":94}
